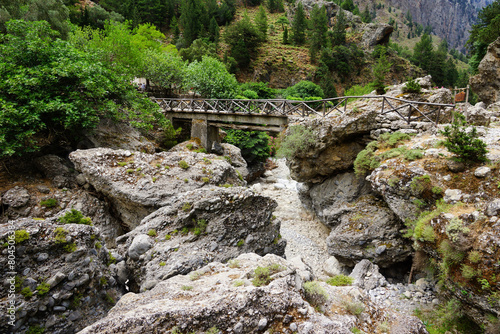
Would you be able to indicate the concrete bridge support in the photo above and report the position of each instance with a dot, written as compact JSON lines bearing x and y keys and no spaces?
{"x":204,"y":132}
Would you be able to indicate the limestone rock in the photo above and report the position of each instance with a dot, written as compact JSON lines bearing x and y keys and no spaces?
{"x":336,"y":146}
{"x":482,"y":172}
{"x":376,"y":34}
{"x":486,"y":84}
{"x":72,"y":262}
{"x":16,"y":197}
{"x":478,"y":115}
{"x":116,"y":135}
{"x":199,"y":227}
{"x":425,"y":82}
{"x":442,"y":96}
{"x":139,"y":183}
{"x":367,"y":276}
{"x":221,"y":290}
{"x":55,"y":168}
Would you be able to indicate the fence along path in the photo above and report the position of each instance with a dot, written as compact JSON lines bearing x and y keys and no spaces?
{"x":407,"y":110}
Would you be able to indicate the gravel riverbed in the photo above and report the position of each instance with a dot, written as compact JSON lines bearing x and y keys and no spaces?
{"x":306,"y":237}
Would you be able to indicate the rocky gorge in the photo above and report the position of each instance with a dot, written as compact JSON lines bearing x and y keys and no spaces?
{"x":117,"y":238}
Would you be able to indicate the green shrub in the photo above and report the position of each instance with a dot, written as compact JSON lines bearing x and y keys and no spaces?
{"x":468,"y":272}
{"x":49,"y":203}
{"x":238,"y":282}
{"x":20,"y":236}
{"x":412,"y":87}
{"x":43,"y":289}
{"x":75,"y":217}
{"x":474,"y":256}
{"x":240,"y":243}
{"x":315,"y":293}
{"x":254,"y":145}
{"x":70,"y":247}
{"x":353,"y":307}
{"x":455,"y":228}
{"x":304,"y":89}
{"x":36,"y":329}
{"x":234,"y":263}
{"x":186,"y":287}
{"x":261,"y":276}
{"x":26,"y":292}
{"x":340,"y":280}
{"x":365,"y":162}
{"x":186,"y":207}
{"x":152,"y":233}
{"x":162,"y":264}
{"x":464,"y":144}
{"x":60,"y":235}
{"x":299,"y":138}
{"x":183,"y":164}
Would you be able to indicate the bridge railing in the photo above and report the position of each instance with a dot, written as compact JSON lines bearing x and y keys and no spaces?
{"x":407,"y":110}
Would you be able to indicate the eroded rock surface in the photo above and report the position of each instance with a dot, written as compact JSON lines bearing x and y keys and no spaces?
{"x":199,"y":227}
{"x":61,"y":276}
{"x":223,"y":296}
{"x":138,"y":183}
{"x":486,"y":84}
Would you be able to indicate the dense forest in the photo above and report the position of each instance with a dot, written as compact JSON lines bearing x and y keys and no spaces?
{"x":66,"y":64}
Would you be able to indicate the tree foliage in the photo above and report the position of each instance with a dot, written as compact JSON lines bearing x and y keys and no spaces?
{"x":243,"y":38}
{"x":318,"y":31}
{"x":304,"y":89}
{"x":254,"y":145}
{"x":484,"y":32}
{"x":299,"y":25}
{"x":210,"y":78}
{"x":49,"y":86}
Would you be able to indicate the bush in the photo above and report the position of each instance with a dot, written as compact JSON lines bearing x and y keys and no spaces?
{"x":315,"y":294}
{"x":26,"y":292}
{"x":210,"y":79}
{"x":254,"y":145}
{"x":261,"y":276}
{"x":464,"y":144}
{"x":49,"y":203}
{"x":340,"y":280}
{"x":183,"y":164}
{"x":43,"y":289}
{"x":20,"y":236}
{"x":298,"y":139}
{"x":261,"y":88}
{"x":75,"y":217}
{"x":304,"y":89}
{"x":412,"y":87}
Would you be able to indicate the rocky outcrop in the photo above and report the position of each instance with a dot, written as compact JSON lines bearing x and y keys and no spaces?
{"x":486,"y":84}
{"x":139,"y":183}
{"x":55,"y":276}
{"x":337,"y":142}
{"x":196,"y":228}
{"x":116,"y":135}
{"x":222,"y":297}
{"x":376,"y":34}
{"x":362,"y":226}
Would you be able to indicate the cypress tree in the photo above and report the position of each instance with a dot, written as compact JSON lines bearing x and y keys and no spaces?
{"x":285,"y":35}
{"x":338,"y":31}
{"x":190,"y":21}
{"x":261,"y":22}
{"x":318,"y":31}
{"x":299,"y":26}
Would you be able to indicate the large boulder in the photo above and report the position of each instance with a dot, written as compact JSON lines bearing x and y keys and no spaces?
{"x":60,"y":278}
{"x":486,"y":84}
{"x":117,"y":135}
{"x":338,"y":141}
{"x":222,"y":298}
{"x":376,"y":34}
{"x":139,"y":183}
{"x":198,"y":227}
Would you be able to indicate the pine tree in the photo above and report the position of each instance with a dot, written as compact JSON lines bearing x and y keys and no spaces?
{"x":423,"y":52}
{"x":299,"y":26}
{"x":318,"y":30}
{"x":190,"y":21}
{"x":285,"y":36}
{"x":261,"y":22}
{"x":338,"y":31}
{"x":213,"y":31}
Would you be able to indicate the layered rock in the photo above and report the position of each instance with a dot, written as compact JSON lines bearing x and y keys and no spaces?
{"x":223,"y":296}
{"x":196,"y":228}
{"x":60,"y":276}
{"x":486,"y":84}
{"x":139,"y":183}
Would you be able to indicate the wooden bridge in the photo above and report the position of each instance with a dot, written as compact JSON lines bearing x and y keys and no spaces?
{"x":208,"y":115}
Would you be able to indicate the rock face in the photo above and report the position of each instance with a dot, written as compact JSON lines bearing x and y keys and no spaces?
{"x":61,"y":278}
{"x":222,"y":296}
{"x":199,"y":227}
{"x":362,"y":226}
{"x":376,"y":34}
{"x":139,"y":183}
{"x":336,"y":146}
{"x":486,"y":84}
{"x":116,"y":135}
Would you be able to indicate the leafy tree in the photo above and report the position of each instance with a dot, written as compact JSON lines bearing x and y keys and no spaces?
{"x":261,"y":22}
{"x":165,"y":68}
{"x":304,"y":89}
{"x":484,"y":32}
{"x":197,"y":50}
{"x":262,"y":89}
{"x":253,"y":3}
{"x":52,"y":11}
{"x":318,"y":30}
{"x":214,"y":32}
{"x":210,"y":79}
{"x":96,"y":16}
{"x":254,"y":145}
{"x":299,"y":26}
{"x":366,"y":17}
{"x":49,"y":88}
